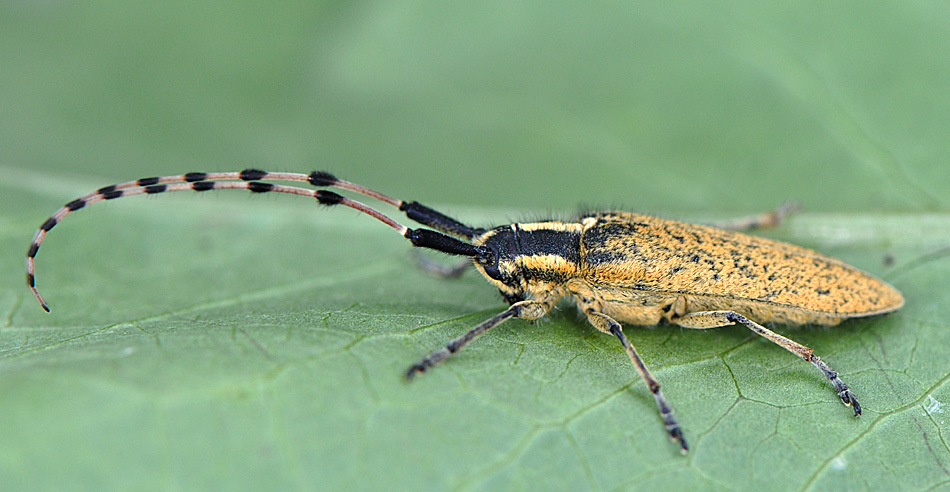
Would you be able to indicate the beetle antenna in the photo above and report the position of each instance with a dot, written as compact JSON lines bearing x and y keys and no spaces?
{"x":414,"y":210}
{"x":422,"y":238}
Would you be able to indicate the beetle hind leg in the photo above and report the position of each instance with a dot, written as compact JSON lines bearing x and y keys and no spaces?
{"x":766,"y":220}
{"x":607,"y":324}
{"x":715,"y":319}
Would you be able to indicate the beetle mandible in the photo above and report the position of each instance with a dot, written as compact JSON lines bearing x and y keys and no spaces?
{"x":618,"y":267}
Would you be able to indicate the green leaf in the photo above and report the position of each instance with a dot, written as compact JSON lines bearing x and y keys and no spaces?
{"x":219,"y":342}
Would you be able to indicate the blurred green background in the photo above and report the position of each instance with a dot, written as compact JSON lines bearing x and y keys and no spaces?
{"x":221,"y":342}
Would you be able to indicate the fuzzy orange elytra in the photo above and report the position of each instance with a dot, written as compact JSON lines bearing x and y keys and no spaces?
{"x":617,"y":267}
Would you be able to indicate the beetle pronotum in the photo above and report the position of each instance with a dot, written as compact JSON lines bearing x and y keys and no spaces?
{"x":616,"y":266}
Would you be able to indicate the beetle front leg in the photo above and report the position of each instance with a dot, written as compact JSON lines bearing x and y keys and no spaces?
{"x":528,"y":310}
{"x":607,"y":324}
{"x":715,"y":319}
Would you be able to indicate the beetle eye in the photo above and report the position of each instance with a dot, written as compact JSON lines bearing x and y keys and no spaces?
{"x":492,"y":271}
{"x":489,"y":261}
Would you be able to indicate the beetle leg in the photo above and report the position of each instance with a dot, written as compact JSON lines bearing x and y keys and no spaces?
{"x":715,"y":319}
{"x":527,"y":310}
{"x":440,"y":269}
{"x":607,"y":324}
{"x":772,"y":218}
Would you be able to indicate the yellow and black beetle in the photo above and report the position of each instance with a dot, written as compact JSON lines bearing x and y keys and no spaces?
{"x":618,"y":267}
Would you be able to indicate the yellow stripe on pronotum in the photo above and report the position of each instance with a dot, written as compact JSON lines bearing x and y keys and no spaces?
{"x":617,"y":267}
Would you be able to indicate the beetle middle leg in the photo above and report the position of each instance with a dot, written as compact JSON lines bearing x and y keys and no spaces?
{"x":607,"y":324}
{"x":528,"y":310}
{"x":716,"y":319}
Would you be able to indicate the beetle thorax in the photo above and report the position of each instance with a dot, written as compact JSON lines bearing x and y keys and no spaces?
{"x":524,"y":260}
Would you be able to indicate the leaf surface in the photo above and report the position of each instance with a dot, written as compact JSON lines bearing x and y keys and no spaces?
{"x":234,"y":343}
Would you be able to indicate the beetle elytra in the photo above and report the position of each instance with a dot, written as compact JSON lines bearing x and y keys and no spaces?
{"x":618,"y":267}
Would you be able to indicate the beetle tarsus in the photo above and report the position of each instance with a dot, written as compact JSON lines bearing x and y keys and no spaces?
{"x":429,"y":361}
{"x":847,"y":397}
{"x":677,"y":435}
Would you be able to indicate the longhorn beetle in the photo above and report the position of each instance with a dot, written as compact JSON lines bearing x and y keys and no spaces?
{"x":616,"y":266}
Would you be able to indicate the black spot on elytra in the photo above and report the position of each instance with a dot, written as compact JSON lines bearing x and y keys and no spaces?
{"x":603,"y":255}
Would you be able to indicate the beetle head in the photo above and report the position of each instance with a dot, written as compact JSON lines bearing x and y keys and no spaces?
{"x":498,"y":261}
